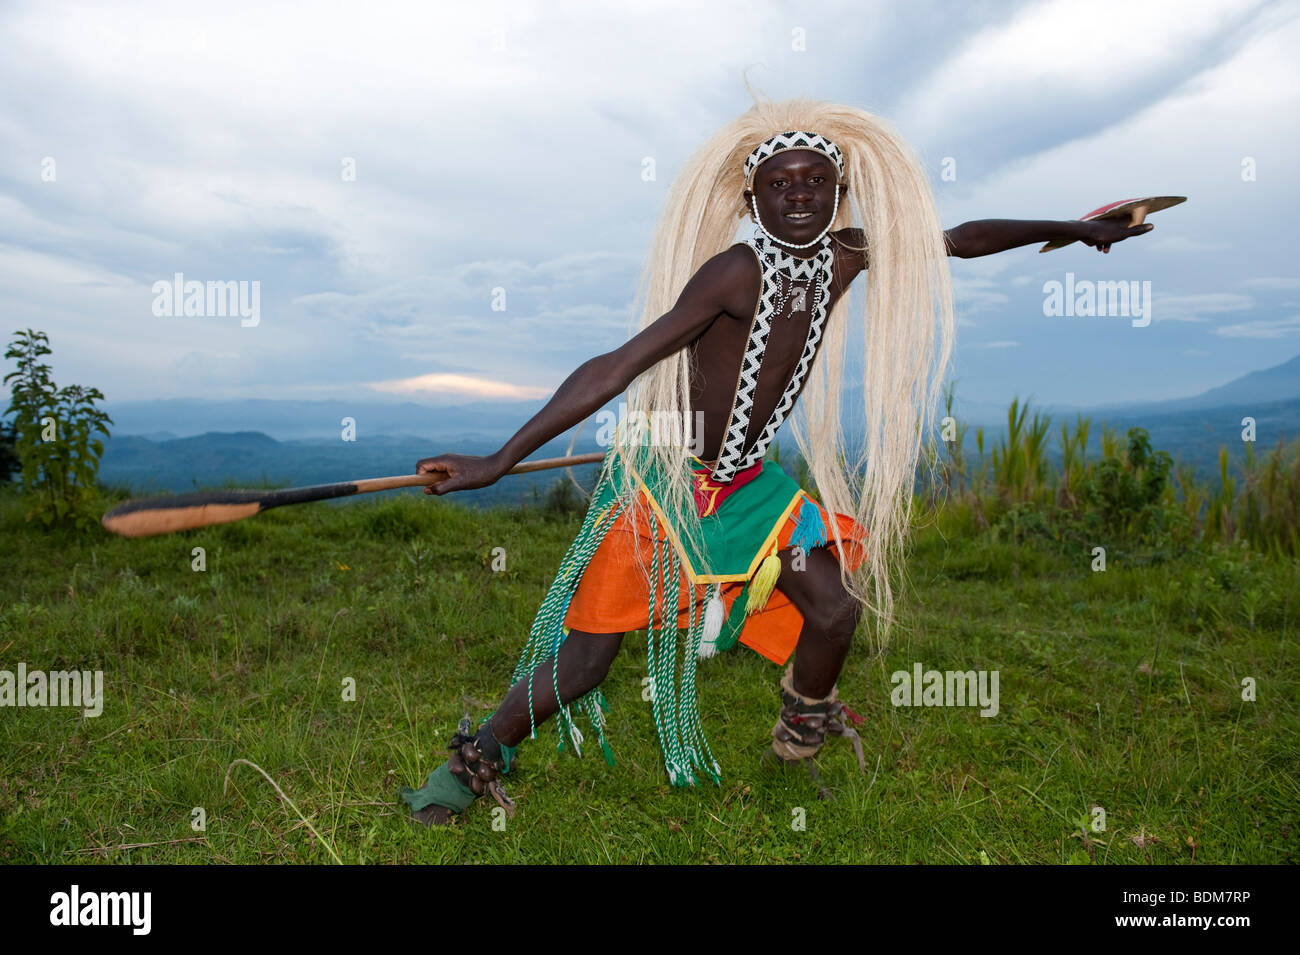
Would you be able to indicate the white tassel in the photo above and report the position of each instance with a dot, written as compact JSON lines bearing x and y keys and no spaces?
{"x":714,"y":615}
{"x":575,"y":734}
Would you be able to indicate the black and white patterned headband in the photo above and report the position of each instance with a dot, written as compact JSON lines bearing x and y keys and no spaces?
{"x":795,"y":139}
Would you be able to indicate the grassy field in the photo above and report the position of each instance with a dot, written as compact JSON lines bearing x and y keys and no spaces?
{"x":1120,"y":690}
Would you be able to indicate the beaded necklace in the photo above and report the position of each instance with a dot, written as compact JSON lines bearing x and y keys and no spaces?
{"x":781,"y":271}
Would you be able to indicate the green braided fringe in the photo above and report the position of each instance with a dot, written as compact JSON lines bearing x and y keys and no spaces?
{"x":675,"y":705}
{"x":548,"y":631}
{"x":676,"y":712}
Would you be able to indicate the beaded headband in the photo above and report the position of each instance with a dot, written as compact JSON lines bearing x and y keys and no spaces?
{"x":795,"y":139}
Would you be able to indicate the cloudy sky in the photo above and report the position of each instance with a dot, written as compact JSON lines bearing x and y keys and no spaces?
{"x":501,"y":145}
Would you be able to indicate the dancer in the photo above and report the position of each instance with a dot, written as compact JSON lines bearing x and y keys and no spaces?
{"x":721,"y":547}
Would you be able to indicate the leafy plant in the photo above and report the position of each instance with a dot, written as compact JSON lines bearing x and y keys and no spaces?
{"x":1127,"y":488}
{"x":55,"y":444}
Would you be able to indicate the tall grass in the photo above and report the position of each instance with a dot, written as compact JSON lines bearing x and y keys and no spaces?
{"x":1127,"y":490}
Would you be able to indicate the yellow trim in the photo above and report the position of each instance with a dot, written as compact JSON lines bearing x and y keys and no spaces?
{"x":776,"y":533}
{"x":691,"y":574}
{"x":668,"y":528}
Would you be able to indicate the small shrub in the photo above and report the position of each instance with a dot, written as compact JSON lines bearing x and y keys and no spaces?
{"x":55,"y":444}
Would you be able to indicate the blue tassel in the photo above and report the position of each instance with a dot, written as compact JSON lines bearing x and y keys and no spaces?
{"x":564,"y":612}
{"x":810,"y":531}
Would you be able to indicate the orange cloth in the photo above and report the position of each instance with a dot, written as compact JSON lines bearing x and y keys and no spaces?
{"x":612,"y":596}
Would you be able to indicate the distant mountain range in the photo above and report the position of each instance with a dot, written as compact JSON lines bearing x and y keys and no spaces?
{"x":1280,"y":383}
{"x":171,"y":418}
{"x":177,"y":445}
{"x":1277,"y":384}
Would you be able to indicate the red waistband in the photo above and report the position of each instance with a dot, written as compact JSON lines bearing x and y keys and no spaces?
{"x":710,"y":494}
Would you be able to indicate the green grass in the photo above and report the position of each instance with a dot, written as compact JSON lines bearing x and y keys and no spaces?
{"x":1119,"y":689}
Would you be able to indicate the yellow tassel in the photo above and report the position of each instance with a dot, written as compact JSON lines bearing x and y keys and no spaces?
{"x":760,"y":586}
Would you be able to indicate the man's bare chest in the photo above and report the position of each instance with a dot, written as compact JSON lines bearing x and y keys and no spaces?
{"x":720,"y":351}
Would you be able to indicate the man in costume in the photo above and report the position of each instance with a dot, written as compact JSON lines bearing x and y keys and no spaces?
{"x":705,"y":553}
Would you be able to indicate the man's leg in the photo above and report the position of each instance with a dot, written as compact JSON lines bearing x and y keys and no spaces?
{"x":830,"y":616}
{"x":585,"y":659}
{"x":810,"y":705}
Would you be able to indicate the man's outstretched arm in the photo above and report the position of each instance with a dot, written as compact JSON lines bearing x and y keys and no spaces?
{"x":987,"y":236}
{"x":600,"y":379}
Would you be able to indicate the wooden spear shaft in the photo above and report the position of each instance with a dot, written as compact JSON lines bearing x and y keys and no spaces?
{"x":146,"y":517}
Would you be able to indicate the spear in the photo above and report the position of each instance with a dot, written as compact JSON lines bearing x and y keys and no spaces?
{"x":146,"y":517}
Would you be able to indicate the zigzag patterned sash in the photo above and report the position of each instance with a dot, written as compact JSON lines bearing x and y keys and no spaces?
{"x":776,"y":263}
